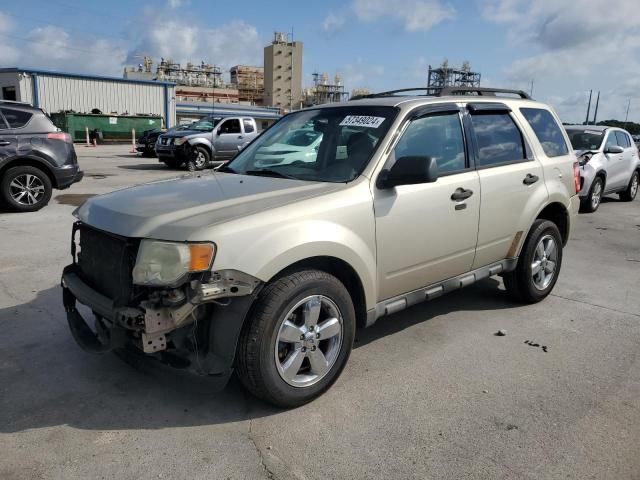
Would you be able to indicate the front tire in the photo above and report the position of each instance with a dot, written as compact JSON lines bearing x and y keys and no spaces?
{"x":538,"y":265}
{"x":632,"y":189}
{"x":591,"y":202}
{"x":199,"y":159}
{"x":297,"y":339}
{"x":25,"y":189}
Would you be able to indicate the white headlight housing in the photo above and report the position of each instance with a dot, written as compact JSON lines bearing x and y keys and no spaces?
{"x":162,"y":263}
{"x":179,"y":140}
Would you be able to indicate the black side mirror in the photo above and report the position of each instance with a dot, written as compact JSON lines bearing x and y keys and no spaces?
{"x":614,"y":149}
{"x":409,"y":171}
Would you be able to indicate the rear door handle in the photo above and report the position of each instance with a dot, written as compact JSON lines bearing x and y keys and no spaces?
{"x":4,"y":142}
{"x":530,"y":179}
{"x":461,"y":194}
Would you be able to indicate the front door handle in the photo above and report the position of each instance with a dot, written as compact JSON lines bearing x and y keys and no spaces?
{"x":530,"y":179}
{"x":461,"y":194}
{"x":4,"y":142}
{"x":239,"y":136}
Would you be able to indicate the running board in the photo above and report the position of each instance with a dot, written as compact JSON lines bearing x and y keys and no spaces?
{"x":396,"y":304}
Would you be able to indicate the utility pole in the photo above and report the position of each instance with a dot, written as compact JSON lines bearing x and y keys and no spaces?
{"x":626,"y":117}
{"x":531,"y":89}
{"x":586,"y":122}
{"x":291,"y":73}
{"x":595,"y":116}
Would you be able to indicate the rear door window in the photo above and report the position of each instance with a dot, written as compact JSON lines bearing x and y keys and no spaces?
{"x":499,"y":139}
{"x":16,"y":118}
{"x":547,"y":130}
{"x":248,"y":126}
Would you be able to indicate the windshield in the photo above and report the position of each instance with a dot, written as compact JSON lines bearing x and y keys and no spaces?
{"x":585,"y":139}
{"x":205,"y":125}
{"x":331,"y":144}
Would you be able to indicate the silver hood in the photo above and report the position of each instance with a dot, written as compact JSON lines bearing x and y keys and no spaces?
{"x":177,"y":208}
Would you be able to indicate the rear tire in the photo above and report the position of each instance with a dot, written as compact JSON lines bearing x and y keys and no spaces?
{"x":297,"y":339}
{"x":538,"y":265}
{"x":632,"y":189}
{"x":25,"y":189}
{"x":591,"y":202}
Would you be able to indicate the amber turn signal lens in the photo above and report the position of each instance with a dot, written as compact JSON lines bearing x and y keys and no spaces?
{"x":201,"y":256}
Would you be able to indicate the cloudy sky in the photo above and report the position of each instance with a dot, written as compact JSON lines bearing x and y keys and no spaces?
{"x":564,"y":47}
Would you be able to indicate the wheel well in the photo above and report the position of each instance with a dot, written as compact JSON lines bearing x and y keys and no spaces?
{"x":28,"y":162}
{"x":343,"y":272}
{"x":557,"y":213}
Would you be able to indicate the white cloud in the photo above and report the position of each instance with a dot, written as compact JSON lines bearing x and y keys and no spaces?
{"x":574,"y":47}
{"x":334,"y":21}
{"x":361,"y":75}
{"x":53,"y":48}
{"x":175,"y":3}
{"x":416,"y":15}
{"x":233,"y":43}
{"x":158,"y":36}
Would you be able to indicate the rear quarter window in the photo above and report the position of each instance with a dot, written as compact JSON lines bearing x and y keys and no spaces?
{"x":547,"y":131}
{"x":16,"y":118}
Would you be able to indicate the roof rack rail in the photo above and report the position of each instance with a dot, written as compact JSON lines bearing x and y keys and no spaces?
{"x":446,"y":91}
{"x":481,"y":91}
{"x":429,"y":91}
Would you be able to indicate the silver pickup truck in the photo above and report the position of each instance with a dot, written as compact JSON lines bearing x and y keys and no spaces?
{"x":208,"y":142}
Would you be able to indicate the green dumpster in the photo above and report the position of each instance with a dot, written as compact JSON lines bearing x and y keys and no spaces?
{"x":115,"y":128}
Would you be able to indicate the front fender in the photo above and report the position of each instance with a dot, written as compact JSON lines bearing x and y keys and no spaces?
{"x":280,"y":248}
{"x":197,"y":141}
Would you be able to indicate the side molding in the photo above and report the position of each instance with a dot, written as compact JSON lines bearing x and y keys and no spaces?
{"x":396,"y":304}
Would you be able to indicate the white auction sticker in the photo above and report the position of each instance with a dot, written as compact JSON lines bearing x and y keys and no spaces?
{"x":361,"y":121}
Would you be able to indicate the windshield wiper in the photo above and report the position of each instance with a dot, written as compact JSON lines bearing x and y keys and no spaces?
{"x":225,"y":169}
{"x":267,"y":172}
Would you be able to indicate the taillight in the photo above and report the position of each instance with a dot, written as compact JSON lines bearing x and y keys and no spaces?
{"x":65,"y":137}
{"x":576,"y":176}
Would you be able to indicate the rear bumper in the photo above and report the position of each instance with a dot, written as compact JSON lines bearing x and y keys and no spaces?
{"x":67,"y":175}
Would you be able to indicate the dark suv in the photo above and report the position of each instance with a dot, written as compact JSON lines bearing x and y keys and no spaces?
{"x":35,"y":157}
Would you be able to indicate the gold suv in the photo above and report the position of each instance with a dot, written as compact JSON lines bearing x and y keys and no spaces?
{"x":267,"y":271}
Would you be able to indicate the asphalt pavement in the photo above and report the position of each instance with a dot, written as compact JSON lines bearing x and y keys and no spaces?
{"x":430,"y":392}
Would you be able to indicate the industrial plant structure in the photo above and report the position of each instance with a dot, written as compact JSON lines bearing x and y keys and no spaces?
{"x":446,"y":76}
{"x":283,"y":72}
{"x":325,"y":92}
{"x":249,"y":81}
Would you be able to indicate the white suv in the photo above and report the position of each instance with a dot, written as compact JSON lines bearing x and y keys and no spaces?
{"x":267,"y":271}
{"x":609,"y":163}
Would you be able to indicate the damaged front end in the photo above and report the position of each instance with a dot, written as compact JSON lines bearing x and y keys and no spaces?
{"x":193,"y":324}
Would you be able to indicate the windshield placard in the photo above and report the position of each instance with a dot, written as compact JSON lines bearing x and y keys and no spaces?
{"x":362,"y":121}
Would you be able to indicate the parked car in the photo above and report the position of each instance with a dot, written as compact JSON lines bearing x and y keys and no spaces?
{"x":609,"y":163}
{"x":35,"y":157}
{"x":147,"y":142}
{"x":295,"y":146}
{"x":208,"y":142}
{"x":267,"y":271}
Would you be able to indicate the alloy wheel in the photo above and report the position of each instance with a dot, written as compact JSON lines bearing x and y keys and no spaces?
{"x":27,"y":189}
{"x":596,"y":195}
{"x":309,"y":341}
{"x":634,"y":185}
{"x":545,"y":260}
